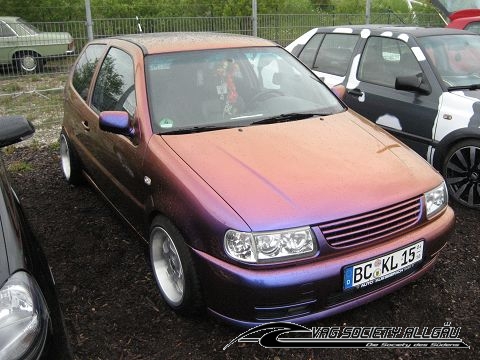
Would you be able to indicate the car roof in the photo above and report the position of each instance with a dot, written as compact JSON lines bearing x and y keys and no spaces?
{"x":377,"y":29}
{"x":8,"y":19}
{"x":153,"y":43}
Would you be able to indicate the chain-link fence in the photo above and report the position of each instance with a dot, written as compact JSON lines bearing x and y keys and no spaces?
{"x":36,"y":57}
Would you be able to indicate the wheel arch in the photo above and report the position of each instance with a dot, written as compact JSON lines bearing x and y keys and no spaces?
{"x":27,"y":51}
{"x":450,"y":140}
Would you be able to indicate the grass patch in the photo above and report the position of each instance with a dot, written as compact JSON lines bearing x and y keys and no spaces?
{"x":54,"y":146}
{"x":11,"y":87}
{"x":9,"y":150}
{"x":19,"y":166}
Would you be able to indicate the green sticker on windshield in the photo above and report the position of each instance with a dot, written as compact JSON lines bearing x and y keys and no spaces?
{"x":166,"y":123}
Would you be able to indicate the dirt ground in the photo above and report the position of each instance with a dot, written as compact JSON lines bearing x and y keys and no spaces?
{"x":113,"y":309}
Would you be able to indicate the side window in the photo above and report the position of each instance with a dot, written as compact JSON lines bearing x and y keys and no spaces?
{"x":83,"y":73}
{"x":5,"y":30}
{"x":115,"y":86}
{"x":335,"y":54}
{"x":384,"y":59}
{"x":307,"y":56}
{"x":474,"y":26}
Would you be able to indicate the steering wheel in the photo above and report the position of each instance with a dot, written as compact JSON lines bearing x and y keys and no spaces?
{"x":265,"y":94}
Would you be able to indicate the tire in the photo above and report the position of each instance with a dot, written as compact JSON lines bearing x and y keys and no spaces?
{"x":173,"y":268}
{"x":71,"y":167}
{"x":461,"y":170}
{"x":28,"y":62}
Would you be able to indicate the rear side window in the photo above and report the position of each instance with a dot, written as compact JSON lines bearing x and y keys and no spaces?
{"x":83,"y":73}
{"x":115,"y":86}
{"x":5,"y":30}
{"x":335,"y":54}
{"x":384,"y":59}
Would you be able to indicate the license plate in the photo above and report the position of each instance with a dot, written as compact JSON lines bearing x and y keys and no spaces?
{"x":381,"y":268}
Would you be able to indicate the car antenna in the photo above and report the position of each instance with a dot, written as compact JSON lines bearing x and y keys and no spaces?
{"x":139,"y":26}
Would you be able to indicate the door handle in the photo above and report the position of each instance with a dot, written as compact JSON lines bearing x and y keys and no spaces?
{"x":85,"y":125}
{"x":356,"y":92}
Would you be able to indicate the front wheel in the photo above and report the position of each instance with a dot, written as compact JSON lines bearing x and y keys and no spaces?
{"x":461,"y":170}
{"x":173,"y":268}
{"x":71,"y":168}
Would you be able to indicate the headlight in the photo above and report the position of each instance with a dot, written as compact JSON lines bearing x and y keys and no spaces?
{"x":270,"y":247}
{"x":23,"y":318}
{"x":436,"y":200}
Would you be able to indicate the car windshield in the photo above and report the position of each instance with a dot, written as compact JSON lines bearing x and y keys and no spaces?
{"x":22,"y":28}
{"x":456,"y":59}
{"x":211,"y":89}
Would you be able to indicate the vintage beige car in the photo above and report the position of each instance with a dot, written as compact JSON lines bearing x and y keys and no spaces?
{"x":28,"y":49}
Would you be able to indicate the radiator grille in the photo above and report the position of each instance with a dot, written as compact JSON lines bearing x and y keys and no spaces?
{"x":374,"y":225}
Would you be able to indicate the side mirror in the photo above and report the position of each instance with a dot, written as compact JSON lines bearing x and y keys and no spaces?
{"x":412,"y":83}
{"x":340,"y":91}
{"x":14,"y":129}
{"x":117,"y":122}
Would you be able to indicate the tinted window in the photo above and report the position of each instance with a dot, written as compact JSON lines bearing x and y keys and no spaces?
{"x":384,"y":59}
{"x":85,"y":67}
{"x":310,"y":50}
{"x":115,"y":86}
{"x":335,"y":54}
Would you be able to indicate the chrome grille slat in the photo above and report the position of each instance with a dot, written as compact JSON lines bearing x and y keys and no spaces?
{"x":374,"y":225}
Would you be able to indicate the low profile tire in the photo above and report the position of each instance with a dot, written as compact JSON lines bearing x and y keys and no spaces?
{"x":28,"y":62}
{"x":71,"y":168}
{"x":173,"y":268}
{"x":461,"y":170}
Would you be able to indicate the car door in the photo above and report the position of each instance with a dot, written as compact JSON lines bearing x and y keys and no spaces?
{"x":408,"y":114}
{"x":118,"y":158}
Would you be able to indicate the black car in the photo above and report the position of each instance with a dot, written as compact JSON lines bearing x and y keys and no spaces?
{"x":31,"y":321}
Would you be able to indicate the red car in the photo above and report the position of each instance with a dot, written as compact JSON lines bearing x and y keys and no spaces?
{"x":261,"y":196}
{"x":468,"y":19}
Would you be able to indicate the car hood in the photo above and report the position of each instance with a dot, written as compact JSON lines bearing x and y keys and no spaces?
{"x":473,"y":95}
{"x":305,"y":172}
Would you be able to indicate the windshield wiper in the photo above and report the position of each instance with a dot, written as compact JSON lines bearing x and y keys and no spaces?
{"x":194,"y":129}
{"x":464,"y":87}
{"x":286,"y":117}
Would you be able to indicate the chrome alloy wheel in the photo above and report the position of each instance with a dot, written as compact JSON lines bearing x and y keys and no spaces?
{"x":167,"y":266}
{"x":462,"y":174}
{"x":65,"y":157}
{"x":28,"y":63}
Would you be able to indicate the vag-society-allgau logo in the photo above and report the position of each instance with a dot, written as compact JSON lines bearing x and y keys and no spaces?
{"x":290,"y":335}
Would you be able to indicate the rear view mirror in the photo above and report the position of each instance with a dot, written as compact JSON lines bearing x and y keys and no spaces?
{"x":412,"y":83}
{"x":14,"y":129}
{"x":117,"y":122}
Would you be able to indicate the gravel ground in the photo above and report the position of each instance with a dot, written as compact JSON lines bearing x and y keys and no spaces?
{"x":112,"y":306}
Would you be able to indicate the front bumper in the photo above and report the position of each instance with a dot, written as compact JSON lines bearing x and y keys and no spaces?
{"x":303,"y":293}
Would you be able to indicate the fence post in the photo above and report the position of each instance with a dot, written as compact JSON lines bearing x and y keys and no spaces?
{"x":367,"y":11}
{"x":88,"y":13}
{"x":254,"y":18}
